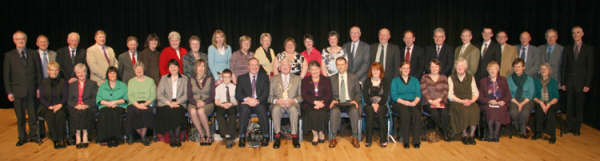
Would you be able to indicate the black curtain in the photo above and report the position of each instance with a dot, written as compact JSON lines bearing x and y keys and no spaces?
{"x":294,"y":18}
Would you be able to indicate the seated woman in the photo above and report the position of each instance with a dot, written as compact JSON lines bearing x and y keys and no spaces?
{"x":522,"y":91}
{"x":201,"y":96}
{"x":316,"y":99}
{"x":53,"y":96}
{"x":82,"y":105}
{"x":494,"y":99}
{"x":434,"y":87}
{"x":462,"y":93}
{"x":376,"y":92}
{"x":172,"y":97}
{"x":112,"y":101}
{"x":141,"y":92}
{"x":406,"y":95}
{"x":546,"y":97}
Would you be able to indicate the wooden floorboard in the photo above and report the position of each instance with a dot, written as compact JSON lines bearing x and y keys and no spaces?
{"x":570,"y":148}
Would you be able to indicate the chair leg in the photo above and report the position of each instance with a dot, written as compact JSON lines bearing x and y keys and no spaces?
{"x":359,"y":130}
{"x":300,"y":131}
{"x":271,"y":129}
{"x":329,"y":130}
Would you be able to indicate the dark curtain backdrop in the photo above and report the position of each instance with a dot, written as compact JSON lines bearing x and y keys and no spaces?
{"x":294,"y":18}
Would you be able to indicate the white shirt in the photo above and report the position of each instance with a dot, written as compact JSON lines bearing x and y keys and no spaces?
{"x":221,"y":95}
{"x":379,"y":49}
{"x":502,"y":48}
{"x":345,"y":78}
{"x":411,"y":49}
{"x":72,"y":52}
{"x":174,"y":87}
{"x":474,"y":90}
{"x":354,"y":47}
{"x":463,"y":48}
{"x":42,"y":55}
{"x":133,"y":56}
{"x":178,"y":54}
{"x":485,"y":44}
{"x":526,"y":49}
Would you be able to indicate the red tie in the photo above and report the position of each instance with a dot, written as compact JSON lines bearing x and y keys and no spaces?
{"x":407,"y":55}
{"x":132,"y":59}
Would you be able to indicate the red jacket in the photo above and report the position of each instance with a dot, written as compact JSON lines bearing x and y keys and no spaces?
{"x":167,"y":54}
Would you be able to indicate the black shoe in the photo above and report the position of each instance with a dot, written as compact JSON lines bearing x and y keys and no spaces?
{"x":78,"y":146}
{"x":383,"y":144}
{"x":20,"y":142}
{"x":228,"y":143}
{"x":321,"y":141}
{"x":577,"y":133}
{"x":146,"y":141}
{"x":367,"y":143}
{"x":296,"y":142}
{"x":85,"y":145}
{"x":38,"y":141}
{"x":417,"y":145}
{"x":473,"y":141}
{"x":242,"y":142}
{"x":464,"y":140}
{"x":406,"y":145}
{"x":276,"y":142}
{"x":265,"y":141}
{"x":56,"y":146}
{"x":130,"y":139}
{"x":552,"y":140}
{"x":70,"y":141}
{"x":536,"y":136}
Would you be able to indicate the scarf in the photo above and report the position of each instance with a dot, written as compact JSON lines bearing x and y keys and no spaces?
{"x":519,"y":81}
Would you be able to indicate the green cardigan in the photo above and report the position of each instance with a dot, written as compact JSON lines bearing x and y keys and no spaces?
{"x":528,"y":87}
{"x":408,"y":92}
{"x":552,"y":89}
{"x":141,"y":91}
{"x":110,"y":94}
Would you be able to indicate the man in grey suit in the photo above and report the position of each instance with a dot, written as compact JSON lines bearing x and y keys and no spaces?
{"x":128,"y":59}
{"x":45,"y":56}
{"x":358,"y":54}
{"x":21,"y":86}
{"x":346,"y":95}
{"x":530,"y":54}
{"x":386,"y":53}
{"x":552,"y":53}
{"x":285,"y":96}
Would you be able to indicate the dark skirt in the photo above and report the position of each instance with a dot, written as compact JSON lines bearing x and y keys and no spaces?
{"x":110,"y":123}
{"x":81,"y":119}
{"x":137,"y":119}
{"x":497,"y":114}
{"x":315,"y":119}
{"x":462,"y":116}
{"x":169,"y":118}
{"x":56,"y":122}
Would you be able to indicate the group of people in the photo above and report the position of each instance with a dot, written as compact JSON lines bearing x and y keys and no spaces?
{"x":492,"y":82}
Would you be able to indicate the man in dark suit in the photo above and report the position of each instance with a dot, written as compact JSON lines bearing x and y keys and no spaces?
{"x":413,"y":54}
{"x":21,"y":86}
{"x":577,"y":74}
{"x":70,"y":55}
{"x":128,"y":59}
{"x":386,"y":53}
{"x":490,"y":51}
{"x":253,"y":92}
{"x":358,"y":54}
{"x":441,"y":51}
{"x":346,"y":95}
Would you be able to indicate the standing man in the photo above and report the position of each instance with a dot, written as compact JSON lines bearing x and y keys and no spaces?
{"x":346,"y":95}
{"x":577,"y":74}
{"x":552,"y":53}
{"x":99,"y":57}
{"x":252,"y":92}
{"x":530,"y":54}
{"x":128,"y":59}
{"x":490,"y":51}
{"x":21,"y":86}
{"x":508,"y":54}
{"x":358,"y":54}
{"x":385,"y":53}
{"x":70,"y":55}
{"x":468,"y":51}
{"x":413,"y":54}
{"x":440,"y":51}
{"x":45,"y":56}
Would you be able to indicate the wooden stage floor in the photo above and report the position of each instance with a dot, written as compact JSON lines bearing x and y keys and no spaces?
{"x":583,"y":148}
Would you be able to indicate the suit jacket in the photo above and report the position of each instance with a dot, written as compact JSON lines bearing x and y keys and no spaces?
{"x":324,"y":91}
{"x":125,"y":66}
{"x":359,"y":62}
{"x":51,"y":58}
{"x":509,"y":54}
{"x":392,"y":59}
{"x":90,"y":88}
{"x":533,"y":60}
{"x":578,"y":72}
{"x":97,"y":62}
{"x":446,"y":58}
{"x":555,"y":59}
{"x":472,"y":55}
{"x":417,"y":59}
{"x":17,"y":76}
{"x":492,"y":54}
{"x":277,"y":89}
{"x":353,"y":87}
{"x":67,"y":63}
{"x":164,"y":91}
{"x":244,"y":87}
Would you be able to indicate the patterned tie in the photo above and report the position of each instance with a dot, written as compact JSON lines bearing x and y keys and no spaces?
{"x":353,"y":50}
{"x":523,"y":55}
{"x":253,"y":82}
{"x":343,"y":90}
{"x":407,"y":55}
{"x":105,"y":55}
{"x":45,"y":63}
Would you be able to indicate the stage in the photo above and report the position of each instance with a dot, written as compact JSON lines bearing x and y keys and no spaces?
{"x":568,"y":147}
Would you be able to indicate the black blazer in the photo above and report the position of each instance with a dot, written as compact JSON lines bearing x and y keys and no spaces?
{"x":578,"y":73}
{"x":367,"y":93}
{"x":18,"y":77}
{"x":89,"y":94}
{"x":392,"y":59}
{"x":244,"y":87}
{"x":446,"y":58}
{"x":63,"y":58}
{"x":417,"y":57}
{"x":492,"y":53}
